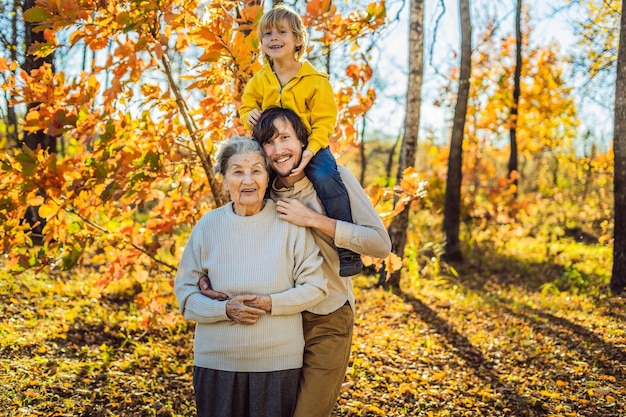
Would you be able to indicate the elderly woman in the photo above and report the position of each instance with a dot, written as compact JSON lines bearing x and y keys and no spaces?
{"x":248,"y":348}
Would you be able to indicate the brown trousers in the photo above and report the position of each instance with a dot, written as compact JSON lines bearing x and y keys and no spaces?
{"x":328,"y":340}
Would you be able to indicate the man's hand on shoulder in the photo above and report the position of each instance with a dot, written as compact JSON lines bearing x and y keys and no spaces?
{"x":294,"y":211}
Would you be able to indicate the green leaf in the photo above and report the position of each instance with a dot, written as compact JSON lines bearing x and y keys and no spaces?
{"x":102,"y":170}
{"x":37,"y":14}
{"x":42,"y":50}
{"x":109,"y":191}
{"x":152,"y":159}
{"x":71,"y":257}
{"x":28,"y":162}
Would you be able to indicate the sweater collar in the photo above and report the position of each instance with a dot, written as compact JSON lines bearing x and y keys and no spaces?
{"x":269,"y":206}
{"x":286,"y":191}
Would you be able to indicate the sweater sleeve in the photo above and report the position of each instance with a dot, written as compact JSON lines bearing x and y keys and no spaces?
{"x":192,"y":304}
{"x":323,"y":115}
{"x":310,"y":284}
{"x":251,"y":99}
{"x":367,"y":234}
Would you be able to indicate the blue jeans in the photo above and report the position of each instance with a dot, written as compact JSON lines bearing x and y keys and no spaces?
{"x":323,"y":173}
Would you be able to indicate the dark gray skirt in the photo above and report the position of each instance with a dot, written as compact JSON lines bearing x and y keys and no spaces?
{"x":245,"y":394}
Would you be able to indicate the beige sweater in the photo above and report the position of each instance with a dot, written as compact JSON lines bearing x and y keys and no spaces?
{"x":367,"y":236}
{"x":257,"y":254}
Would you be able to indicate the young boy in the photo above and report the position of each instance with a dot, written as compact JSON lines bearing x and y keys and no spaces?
{"x":286,"y":81}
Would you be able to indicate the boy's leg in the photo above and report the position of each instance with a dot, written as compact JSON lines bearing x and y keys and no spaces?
{"x":323,"y":173}
{"x":328,"y":340}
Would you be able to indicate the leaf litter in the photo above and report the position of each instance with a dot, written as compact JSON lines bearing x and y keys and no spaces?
{"x":70,"y":349}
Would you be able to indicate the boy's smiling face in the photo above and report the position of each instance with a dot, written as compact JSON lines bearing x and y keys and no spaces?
{"x":279,"y":42}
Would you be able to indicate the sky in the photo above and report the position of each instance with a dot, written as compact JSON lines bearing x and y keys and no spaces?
{"x":388,"y":115}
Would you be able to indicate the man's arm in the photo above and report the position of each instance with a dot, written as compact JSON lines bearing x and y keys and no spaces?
{"x":366,"y":235}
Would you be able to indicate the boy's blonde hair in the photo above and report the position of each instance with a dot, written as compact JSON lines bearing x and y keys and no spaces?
{"x":275,"y":16}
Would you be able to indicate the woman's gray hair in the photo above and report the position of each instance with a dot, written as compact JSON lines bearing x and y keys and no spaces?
{"x":237,"y":145}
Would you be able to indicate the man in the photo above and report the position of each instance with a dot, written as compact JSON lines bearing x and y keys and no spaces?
{"x":328,"y":325}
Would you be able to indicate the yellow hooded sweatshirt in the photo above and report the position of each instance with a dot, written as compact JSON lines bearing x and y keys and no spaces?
{"x":308,"y":93}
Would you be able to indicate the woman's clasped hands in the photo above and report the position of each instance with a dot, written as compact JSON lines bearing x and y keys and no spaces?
{"x":246,"y":309}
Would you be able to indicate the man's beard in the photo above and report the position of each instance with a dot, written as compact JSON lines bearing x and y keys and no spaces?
{"x":285,"y":175}
{"x":282,"y":175}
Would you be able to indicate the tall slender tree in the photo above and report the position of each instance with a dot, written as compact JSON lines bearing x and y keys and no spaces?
{"x":408,"y":151}
{"x":452,"y":203}
{"x":9,"y":39}
{"x":618,"y":278}
{"x":513,"y":160}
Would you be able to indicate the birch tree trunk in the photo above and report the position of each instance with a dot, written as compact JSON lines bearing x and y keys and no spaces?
{"x":408,"y":151}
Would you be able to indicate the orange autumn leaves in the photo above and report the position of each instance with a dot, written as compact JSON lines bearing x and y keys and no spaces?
{"x":137,"y":121}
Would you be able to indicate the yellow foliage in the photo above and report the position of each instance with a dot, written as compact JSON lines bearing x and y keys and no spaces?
{"x":48,"y":210}
{"x":599,"y":34}
{"x":135,"y":166}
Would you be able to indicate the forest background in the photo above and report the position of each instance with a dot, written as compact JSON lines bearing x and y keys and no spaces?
{"x":111,"y":113}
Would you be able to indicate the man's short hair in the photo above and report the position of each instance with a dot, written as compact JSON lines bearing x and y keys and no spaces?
{"x":264,"y":130}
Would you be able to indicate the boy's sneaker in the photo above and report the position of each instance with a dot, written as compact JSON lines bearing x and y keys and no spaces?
{"x":349,"y":262}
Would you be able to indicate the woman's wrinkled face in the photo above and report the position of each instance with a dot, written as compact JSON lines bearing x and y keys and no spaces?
{"x":246,"y":180}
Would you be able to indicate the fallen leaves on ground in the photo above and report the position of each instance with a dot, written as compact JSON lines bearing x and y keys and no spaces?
{"x":69,"y":348}
{"x":454,"y":352}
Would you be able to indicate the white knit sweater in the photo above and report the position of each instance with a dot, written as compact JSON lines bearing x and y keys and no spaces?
{"x":257,"y":254}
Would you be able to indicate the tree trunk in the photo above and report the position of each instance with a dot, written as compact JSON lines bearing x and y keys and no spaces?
{"x":588,"y":173}
{"x":399,"y":224}
{"x":11,"y":118}
{"x":38,"y":139}
{"x":390,"y":159}
{"x":513,"y":166}
{"x":362,"y":152}
{"x":618,"y":278}
{"x":452,"y":204}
